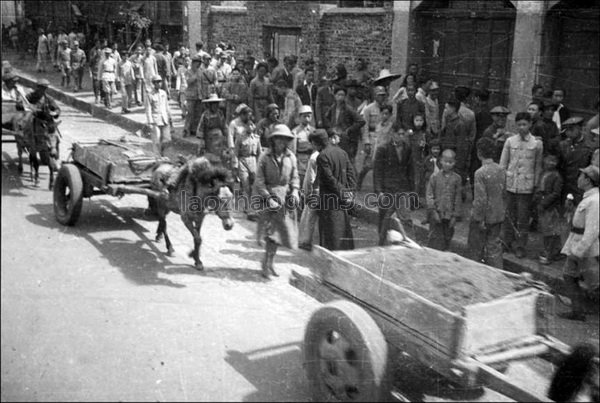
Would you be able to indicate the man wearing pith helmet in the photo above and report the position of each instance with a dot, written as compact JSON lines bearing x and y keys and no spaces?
{"x":277,"y":184}
{"x":159,"y":116}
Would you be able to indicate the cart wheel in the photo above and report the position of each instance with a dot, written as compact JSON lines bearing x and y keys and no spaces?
{"x":346,"y":355}
{"x":68,"y":195}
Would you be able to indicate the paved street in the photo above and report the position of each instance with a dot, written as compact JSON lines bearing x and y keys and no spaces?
{"x":98,"y":312}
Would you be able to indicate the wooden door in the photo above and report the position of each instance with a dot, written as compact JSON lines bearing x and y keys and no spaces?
{"x":468,"y":48}
{"x":577,"y":63}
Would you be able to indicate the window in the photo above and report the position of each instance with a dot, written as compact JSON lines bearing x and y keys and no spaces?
{"x":360,"y":3}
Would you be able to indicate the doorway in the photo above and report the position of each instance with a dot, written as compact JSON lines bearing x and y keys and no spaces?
{"x":467,"y":43}
{"x":279,"y":42}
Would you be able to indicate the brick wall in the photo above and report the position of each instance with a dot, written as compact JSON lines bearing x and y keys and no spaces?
{"x":330,"y":38}
{"x":347,"y":37}
{"x":246,"y":30}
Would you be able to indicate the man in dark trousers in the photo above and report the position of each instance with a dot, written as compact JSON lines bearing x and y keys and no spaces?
{"x":344,"y":119}
{"x":393,"y":182}
{"x":335,"y":180}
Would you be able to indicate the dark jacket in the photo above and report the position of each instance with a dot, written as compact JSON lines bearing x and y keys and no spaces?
{"x":549,"y":195}
{"x":406,"y":111}
{"x":546,"y":130}
{"x":325,"y":99}
{"x":455,"y":136}
{"x":392,"y":168}
{"x":572,"y":158}
{"x":335,"y":173}
{"x":305,"y":96}
{"x":348,"y":120}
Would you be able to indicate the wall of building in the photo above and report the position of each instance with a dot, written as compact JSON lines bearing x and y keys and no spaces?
{"x":345,"y":37}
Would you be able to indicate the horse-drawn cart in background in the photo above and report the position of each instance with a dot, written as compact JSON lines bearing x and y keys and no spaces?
{"x":466,"y":321}
{"x":102,"y":167}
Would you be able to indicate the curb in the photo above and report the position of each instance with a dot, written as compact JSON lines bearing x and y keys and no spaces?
{"x":370,"y":216}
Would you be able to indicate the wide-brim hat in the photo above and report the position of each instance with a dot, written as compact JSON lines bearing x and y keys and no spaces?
{"x":156,"y":78}
{"x":281,"y":130}
{"x":574,"y":121}
{"x":434,"y":86}
{"x":386,"y":77}
{"x":213,"y":98}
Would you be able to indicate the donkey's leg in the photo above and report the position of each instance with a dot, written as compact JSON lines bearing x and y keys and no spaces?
{"x":193,"y":225}
{"x":20,"y":156}
{"x":170,"y":249}
{"x":35,"y":168}
{"x":51,"y":170}
{"x":160,"y":229}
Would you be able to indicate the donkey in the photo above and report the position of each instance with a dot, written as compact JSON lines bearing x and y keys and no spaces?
{"x":39,"y":136}
{"x":193,"y":190}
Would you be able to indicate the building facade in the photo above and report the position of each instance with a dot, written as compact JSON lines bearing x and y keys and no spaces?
{"x":502,"y":45}
{"x":506,"y":46}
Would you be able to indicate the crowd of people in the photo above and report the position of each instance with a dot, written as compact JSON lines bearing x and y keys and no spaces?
{"x":289,"y":136}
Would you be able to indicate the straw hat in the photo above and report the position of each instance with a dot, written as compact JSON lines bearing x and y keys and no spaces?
{"x":213,"y":98}
{"x":386,"y":77}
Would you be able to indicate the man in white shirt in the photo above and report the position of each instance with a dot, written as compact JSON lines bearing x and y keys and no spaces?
{"x":107,"y":71}
{"x":159,"y":116}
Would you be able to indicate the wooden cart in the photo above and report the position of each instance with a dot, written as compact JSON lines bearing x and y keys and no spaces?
{"x":366,"y":316}
{"x":103,"y":167}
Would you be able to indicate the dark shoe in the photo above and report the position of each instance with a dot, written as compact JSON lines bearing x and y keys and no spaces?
{"x":580,"y":317}
{"x":305,"y":246}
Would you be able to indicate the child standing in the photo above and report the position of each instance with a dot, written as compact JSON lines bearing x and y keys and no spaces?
{"x":547,"y":200}
{"x":418,"y":151}
{"x":488,"y":212}
{"x":444,"y":202}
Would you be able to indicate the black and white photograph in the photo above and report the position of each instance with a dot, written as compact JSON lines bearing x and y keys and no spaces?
{"x":336,"y":200}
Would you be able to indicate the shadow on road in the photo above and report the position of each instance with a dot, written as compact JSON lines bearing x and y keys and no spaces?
{"x":140,"y":261}
{"x":275,"y":372}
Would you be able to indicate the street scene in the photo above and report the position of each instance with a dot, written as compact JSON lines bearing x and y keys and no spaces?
{"x":300,"y":201}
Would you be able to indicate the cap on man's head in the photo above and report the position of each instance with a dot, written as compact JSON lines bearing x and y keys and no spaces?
{"x":500,"y":110}
{"x":305,"y":109}
{"x":574,"y":121}
{"x":43,"y":83}
{"x":107,"y":50}
{"x":197,"y":58}
{"x":75,"y":43}
{"x":380,"y":90}
{"x":434,"y":86}
{"x":156,"y":78}
{"x":592,"y":172}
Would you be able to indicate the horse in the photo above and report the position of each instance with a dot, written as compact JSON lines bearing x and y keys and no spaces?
{"x":196,"y":188}
{"x":39,"y":135}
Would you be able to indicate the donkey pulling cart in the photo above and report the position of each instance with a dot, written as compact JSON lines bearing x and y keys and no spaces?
{"x":464,"y":320}
{"x":102,"y":167}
